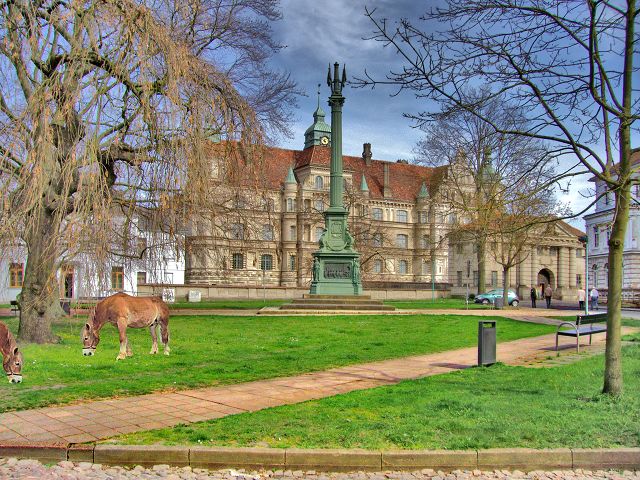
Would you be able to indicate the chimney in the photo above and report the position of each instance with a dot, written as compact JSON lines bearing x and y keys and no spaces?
{"x":387,"y":185}
{"x":366,"y":154}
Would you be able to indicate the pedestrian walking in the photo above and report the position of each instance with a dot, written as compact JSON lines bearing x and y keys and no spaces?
{"x":582,"y":295}
{"x":594,"y":298}
{"x":534,"y":296}
{"x":548,"y":291}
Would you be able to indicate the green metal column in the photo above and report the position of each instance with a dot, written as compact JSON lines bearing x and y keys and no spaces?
{"x":336,"y":100}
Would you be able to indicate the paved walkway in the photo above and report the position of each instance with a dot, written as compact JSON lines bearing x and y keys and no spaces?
{"x":102,"y":419}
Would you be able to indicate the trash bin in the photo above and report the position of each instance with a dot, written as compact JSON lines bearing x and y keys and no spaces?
{"x":486,"y":342}
{"x":498,"y":303}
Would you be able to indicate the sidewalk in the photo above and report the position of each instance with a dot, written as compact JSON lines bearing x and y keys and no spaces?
{"x":102,"y":419}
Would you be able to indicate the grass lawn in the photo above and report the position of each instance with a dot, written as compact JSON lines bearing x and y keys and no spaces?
{"x":231,"y":304}
{"x":494,"y":407}
{"x":438,"y":303}
{"x":210,"y":350}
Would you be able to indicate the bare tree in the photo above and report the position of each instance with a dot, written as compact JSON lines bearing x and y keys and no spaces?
{"x":107,"y":104}
{"x":569,"y":64}
{"x":486,"y":166}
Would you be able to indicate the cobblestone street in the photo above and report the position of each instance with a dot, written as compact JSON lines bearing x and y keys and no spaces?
{"x":11,"y":468}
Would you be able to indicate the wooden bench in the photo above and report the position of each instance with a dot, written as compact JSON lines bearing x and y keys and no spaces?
{"x":15,"y":308}
{"x":584,"y":325}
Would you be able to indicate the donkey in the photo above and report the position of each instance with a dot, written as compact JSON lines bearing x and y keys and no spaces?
{"x":124,"y":311}
{"x":11,"y":356}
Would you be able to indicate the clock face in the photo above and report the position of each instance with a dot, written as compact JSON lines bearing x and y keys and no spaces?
{"x":324,"y":140}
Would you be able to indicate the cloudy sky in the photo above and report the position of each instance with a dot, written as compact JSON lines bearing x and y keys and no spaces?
{"x":319,"y":32}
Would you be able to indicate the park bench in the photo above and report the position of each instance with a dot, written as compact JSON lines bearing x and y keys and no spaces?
{"x":584,"y":325}
{"x":15,"y":308}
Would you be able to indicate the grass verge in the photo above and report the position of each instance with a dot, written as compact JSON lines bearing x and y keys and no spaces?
{"x":494,"y":407}
{"x":229,"y":304}
{"x":213,"y":350}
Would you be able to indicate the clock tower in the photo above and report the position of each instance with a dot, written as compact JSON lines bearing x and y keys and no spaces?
{"x":319,"y":133}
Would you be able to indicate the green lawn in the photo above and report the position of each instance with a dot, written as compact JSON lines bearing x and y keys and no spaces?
{"x":210,"y":350}
{"x":231,"y":304}
{"x":492,"y":407}
{"x":438,"y":303}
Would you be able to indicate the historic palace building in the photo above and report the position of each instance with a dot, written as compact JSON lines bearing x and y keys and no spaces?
{"x":398,"y":216}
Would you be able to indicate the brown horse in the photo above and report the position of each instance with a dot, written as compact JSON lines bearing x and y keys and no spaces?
{"x":11,"y":356}
{"x":124,"y":311}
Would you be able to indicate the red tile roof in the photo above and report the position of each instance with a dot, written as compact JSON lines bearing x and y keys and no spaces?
{"x":405,"y":179}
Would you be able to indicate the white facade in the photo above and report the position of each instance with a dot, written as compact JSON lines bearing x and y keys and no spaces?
{"x":598,"y":228}
{"x":82,"y":277}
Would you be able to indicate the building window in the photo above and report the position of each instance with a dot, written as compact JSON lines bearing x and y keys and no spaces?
{"x":494,"y":278}
{"x":238,"y":202}
{"x":293,"y":233}
{"x":237,"y":261}
{"x":16,"y":275}
{"x":319,"y":183}
{"x":595,"y":276}
{"x":453,"y":218}
{"x":608,"y":234}
{"x":266,"y":262}
{"x":425,"y":268}
{"x":607,"y":199}
{"x":307,"y":204}
{"x":423,"y":217}
{"x":267,"y":232}
{"x":468,"y":268}
{"x":117,"y":278}
{"x":459,"y":278}
{"x":476,"y":278}
{"x":578,"y":280}
{"x":596,"y":236}
{"x":141,"y":277}
{"x":402,"y":240}
{"x":318,"y":205}
{"x":424,"y":242}
{"x":292,"y":263}
{"x":403,"y":267}
{"x":237,"y":231}
{"x":376,"y":213}
{"x":377,"y":266}
{"x":267,"y":204}
{"x":458,"y":248}
{"x":401,"y":216}
{"x":291,"y":205}
{"x":319,"y":231}
{"x":377,"y":240}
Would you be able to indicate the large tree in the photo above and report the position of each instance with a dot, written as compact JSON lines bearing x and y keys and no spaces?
{"x":569,"y":64}
{"x":488,"y":168}
{"x":106,"y":106}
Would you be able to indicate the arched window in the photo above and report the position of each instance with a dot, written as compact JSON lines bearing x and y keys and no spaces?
{"x":319,"y":183}
{"x":424,"y":241}
{"x":291,"y":206}
{"x":595,"y":276}
{"x":402,"y":240}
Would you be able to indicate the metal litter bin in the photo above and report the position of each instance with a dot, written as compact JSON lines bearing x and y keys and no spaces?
{"x":486,"y":342}
{"x":498,"y":303}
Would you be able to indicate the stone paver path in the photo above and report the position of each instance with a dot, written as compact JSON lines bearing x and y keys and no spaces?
{"x":106,"y":418}
{"x":32,"y":469}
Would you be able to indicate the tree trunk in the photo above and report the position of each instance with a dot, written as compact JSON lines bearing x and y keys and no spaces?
{"x":613,"y":360}
{"x":481,"y":253}
{"x":40,"y":298}
{"x":505,"y":285}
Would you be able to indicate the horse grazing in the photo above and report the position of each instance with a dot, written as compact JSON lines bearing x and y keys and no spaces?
{"x":124,"y":311}
{"x":11,"y":356}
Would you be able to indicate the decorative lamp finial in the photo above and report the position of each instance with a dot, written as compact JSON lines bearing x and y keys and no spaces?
{"x":318,"y":95}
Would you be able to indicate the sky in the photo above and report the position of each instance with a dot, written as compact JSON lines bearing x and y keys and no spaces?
{"x":317,"y":33}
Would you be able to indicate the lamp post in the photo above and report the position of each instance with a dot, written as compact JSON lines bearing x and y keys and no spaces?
{"x":585,"y":240}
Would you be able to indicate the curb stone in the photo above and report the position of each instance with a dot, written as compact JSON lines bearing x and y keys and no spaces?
{"x":332,"y":460}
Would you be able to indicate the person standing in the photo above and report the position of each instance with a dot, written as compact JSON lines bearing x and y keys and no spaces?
{"x":594,"y":298}
{"x":582,"y":295}
{"x":534,"y":296}
{"x":548,"y":291}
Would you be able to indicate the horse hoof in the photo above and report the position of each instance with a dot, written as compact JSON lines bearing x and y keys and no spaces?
{"x":166,"y":352}
{"x":152,"y":352}
{"x":121,"y":357}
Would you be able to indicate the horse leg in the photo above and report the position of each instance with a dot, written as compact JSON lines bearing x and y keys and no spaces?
{"x":164,"y":330}
{"x":154,"y":339}
{"x":122,"y":331}
{"x":129,"y":351}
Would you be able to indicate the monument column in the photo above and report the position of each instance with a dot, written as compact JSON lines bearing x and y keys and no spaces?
{"x":562,"y":267}
{"x":336,"y":265}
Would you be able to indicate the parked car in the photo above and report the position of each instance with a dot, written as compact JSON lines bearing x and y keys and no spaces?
{"x":490,"y":297}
